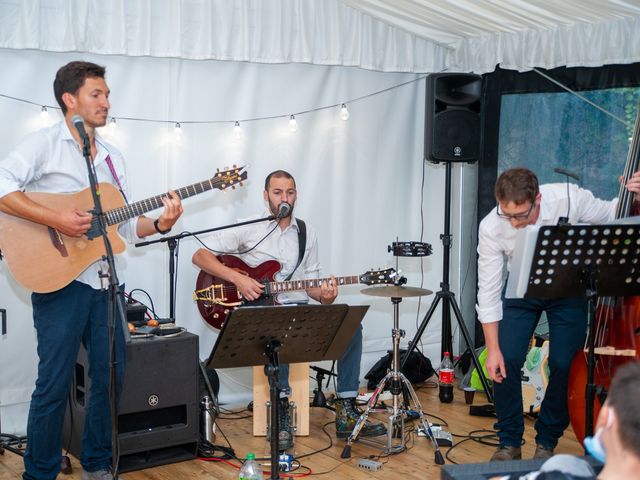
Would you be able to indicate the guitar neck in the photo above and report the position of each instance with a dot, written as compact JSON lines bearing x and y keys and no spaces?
{"x":121,"y":214}
{"x":272,"y":288}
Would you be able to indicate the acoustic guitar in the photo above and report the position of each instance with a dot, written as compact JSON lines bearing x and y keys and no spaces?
{"x":43,"y":260}
{"x":216,"y":298}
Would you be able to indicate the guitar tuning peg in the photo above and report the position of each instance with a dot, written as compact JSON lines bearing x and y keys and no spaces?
{"x":217,"y":170}
{"x":241,"y":184}
{"x":233,"y":187}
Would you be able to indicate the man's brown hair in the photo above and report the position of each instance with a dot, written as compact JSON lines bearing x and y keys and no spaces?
{"x":277,"y":174}
{"x":72,"y":76}
{"x":517,"y":185}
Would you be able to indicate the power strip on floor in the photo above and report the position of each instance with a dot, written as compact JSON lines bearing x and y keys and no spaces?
{"x":371,"y":465}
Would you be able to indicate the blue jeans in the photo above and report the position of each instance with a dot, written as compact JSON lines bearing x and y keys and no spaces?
{"x":77,"y":313}
{"x":567,"y":331}
{"x":348,"y":369}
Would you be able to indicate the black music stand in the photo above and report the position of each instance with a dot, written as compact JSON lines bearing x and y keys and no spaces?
{"x":284,"y":334}
{"x":578,"y":261}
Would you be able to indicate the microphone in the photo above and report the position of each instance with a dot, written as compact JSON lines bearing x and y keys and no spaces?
{"x":78,"y":122}
{"x":564,"y":221}
{"x":568,"y":173}
{"x":283,"y":210}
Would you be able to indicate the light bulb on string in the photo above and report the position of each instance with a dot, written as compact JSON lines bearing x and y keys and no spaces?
{"x":177,"y":129}
{"x":293,"y":125}
{"x":44,"y":113}
{"x":237,"y":130}
{"x":112,"y":124}
{"x":344,"y":113}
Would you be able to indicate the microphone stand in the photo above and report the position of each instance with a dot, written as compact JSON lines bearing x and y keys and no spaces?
{"x":99,"y":228}
{"x":172,"y":243}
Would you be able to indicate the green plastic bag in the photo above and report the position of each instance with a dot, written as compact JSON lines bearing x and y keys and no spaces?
{"x":475,"y":382}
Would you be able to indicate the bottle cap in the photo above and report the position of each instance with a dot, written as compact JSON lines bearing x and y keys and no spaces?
{"x":251,"y":456}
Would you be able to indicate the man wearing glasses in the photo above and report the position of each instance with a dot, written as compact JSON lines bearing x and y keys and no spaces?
{"x":508,"y":324}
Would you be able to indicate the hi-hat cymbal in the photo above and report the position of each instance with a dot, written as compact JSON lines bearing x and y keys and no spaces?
{"x":395,"y":291}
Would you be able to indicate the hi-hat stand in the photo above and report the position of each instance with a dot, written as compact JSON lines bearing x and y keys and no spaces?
{"x":448,"y":299}
{"x":396,"y":382}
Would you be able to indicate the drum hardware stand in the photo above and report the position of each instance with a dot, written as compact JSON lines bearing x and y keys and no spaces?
{"x":396,"y":381}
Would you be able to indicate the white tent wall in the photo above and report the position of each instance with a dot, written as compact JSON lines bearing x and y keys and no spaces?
{"x":359,"y":181}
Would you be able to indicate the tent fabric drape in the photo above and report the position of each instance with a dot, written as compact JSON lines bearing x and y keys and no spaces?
{"x":385,"y":35}
{"x":275,"y":31}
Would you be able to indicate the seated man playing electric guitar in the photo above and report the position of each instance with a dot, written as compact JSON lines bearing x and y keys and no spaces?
{"x":283,"y":239}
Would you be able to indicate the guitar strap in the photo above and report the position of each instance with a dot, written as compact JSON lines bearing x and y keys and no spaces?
{"x":115,"y":176}
{"x":302,"y":243}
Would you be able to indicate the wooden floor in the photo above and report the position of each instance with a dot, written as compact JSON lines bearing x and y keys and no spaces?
{"x":416,"y":462}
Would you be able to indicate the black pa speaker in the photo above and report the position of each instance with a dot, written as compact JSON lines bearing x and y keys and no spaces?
{"x":452,"y":117}
{"x":158,"y":414}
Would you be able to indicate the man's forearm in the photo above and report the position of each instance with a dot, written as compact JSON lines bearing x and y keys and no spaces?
{"x":490,"y":331}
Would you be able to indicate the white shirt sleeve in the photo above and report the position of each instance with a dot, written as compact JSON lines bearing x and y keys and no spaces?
{"x":490,"y":272}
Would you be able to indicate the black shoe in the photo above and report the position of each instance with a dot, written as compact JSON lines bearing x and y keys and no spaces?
{"x":347,"y":415}
{"x":285,"y":430}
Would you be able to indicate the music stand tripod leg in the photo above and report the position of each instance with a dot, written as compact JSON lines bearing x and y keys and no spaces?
{"x":271,"y":371}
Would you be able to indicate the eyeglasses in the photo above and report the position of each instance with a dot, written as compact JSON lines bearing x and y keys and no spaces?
{"x":515,"y":216}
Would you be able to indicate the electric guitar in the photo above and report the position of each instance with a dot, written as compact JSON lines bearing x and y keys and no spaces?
{"x":216,"y":298}
{"x":43,"y":260}
{"x":535,"y":374}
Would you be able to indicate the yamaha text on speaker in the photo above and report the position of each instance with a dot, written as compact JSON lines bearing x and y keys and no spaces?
{"x":158,"y":411}
{"x":452,"y":117}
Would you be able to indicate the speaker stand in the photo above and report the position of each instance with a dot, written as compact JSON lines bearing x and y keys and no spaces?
{"x":448,"y":299}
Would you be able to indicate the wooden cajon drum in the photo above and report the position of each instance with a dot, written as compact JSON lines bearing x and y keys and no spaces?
{"x":299,"y":382}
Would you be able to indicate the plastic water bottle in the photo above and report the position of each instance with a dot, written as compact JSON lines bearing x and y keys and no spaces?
{"x":250,"y":469}
{"x":446,"y":379}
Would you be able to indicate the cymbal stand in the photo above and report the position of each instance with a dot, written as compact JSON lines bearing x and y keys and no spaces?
{"x":397,"y":381}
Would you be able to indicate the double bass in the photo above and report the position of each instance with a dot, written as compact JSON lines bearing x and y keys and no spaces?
{"x":616,"y":323}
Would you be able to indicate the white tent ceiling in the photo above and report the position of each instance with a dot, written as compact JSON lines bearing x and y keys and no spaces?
{"x":386,"y":35}
{"x":518,"y":34}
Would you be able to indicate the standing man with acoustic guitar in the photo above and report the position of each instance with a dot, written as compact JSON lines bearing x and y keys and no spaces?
{"x":282,"y":239}
{"x":51,"y":160}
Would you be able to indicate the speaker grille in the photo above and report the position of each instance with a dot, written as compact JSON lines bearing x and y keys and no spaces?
{"x":456,"y":135}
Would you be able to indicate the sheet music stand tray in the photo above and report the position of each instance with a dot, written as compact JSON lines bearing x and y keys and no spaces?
{"x":284,"y":334}
{"x":587,"y":261}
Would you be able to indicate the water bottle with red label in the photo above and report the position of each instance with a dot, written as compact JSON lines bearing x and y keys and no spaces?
{"x":446,"y":379}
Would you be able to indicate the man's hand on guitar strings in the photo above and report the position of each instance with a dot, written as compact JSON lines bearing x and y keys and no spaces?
{"x":172,"y":210}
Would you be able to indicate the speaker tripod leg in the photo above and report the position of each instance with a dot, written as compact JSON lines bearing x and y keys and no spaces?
{"x":467,"y":340}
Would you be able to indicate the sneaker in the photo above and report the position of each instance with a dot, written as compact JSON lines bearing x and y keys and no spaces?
{"x":103,"y":474}
{"x":347,"y":415}
{"x":285,"y":434}
{"x":542,"y":452}
{"x":504,"y":453}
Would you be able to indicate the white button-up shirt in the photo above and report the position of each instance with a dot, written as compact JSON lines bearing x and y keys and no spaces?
{"x":497,"y":238}
{"x":280,"y":245}
{"x":50,"y":160}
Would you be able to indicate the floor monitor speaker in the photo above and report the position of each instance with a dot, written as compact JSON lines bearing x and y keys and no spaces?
{"x":159,"y":406}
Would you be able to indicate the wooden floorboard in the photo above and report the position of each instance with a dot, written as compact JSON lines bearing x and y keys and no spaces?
{"x":417,"y":462}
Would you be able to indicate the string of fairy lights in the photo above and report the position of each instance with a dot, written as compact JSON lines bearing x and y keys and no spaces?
{"x":236,"y":125}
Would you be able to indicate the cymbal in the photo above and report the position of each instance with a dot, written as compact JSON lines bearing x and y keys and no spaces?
{"x":395,"y":291}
